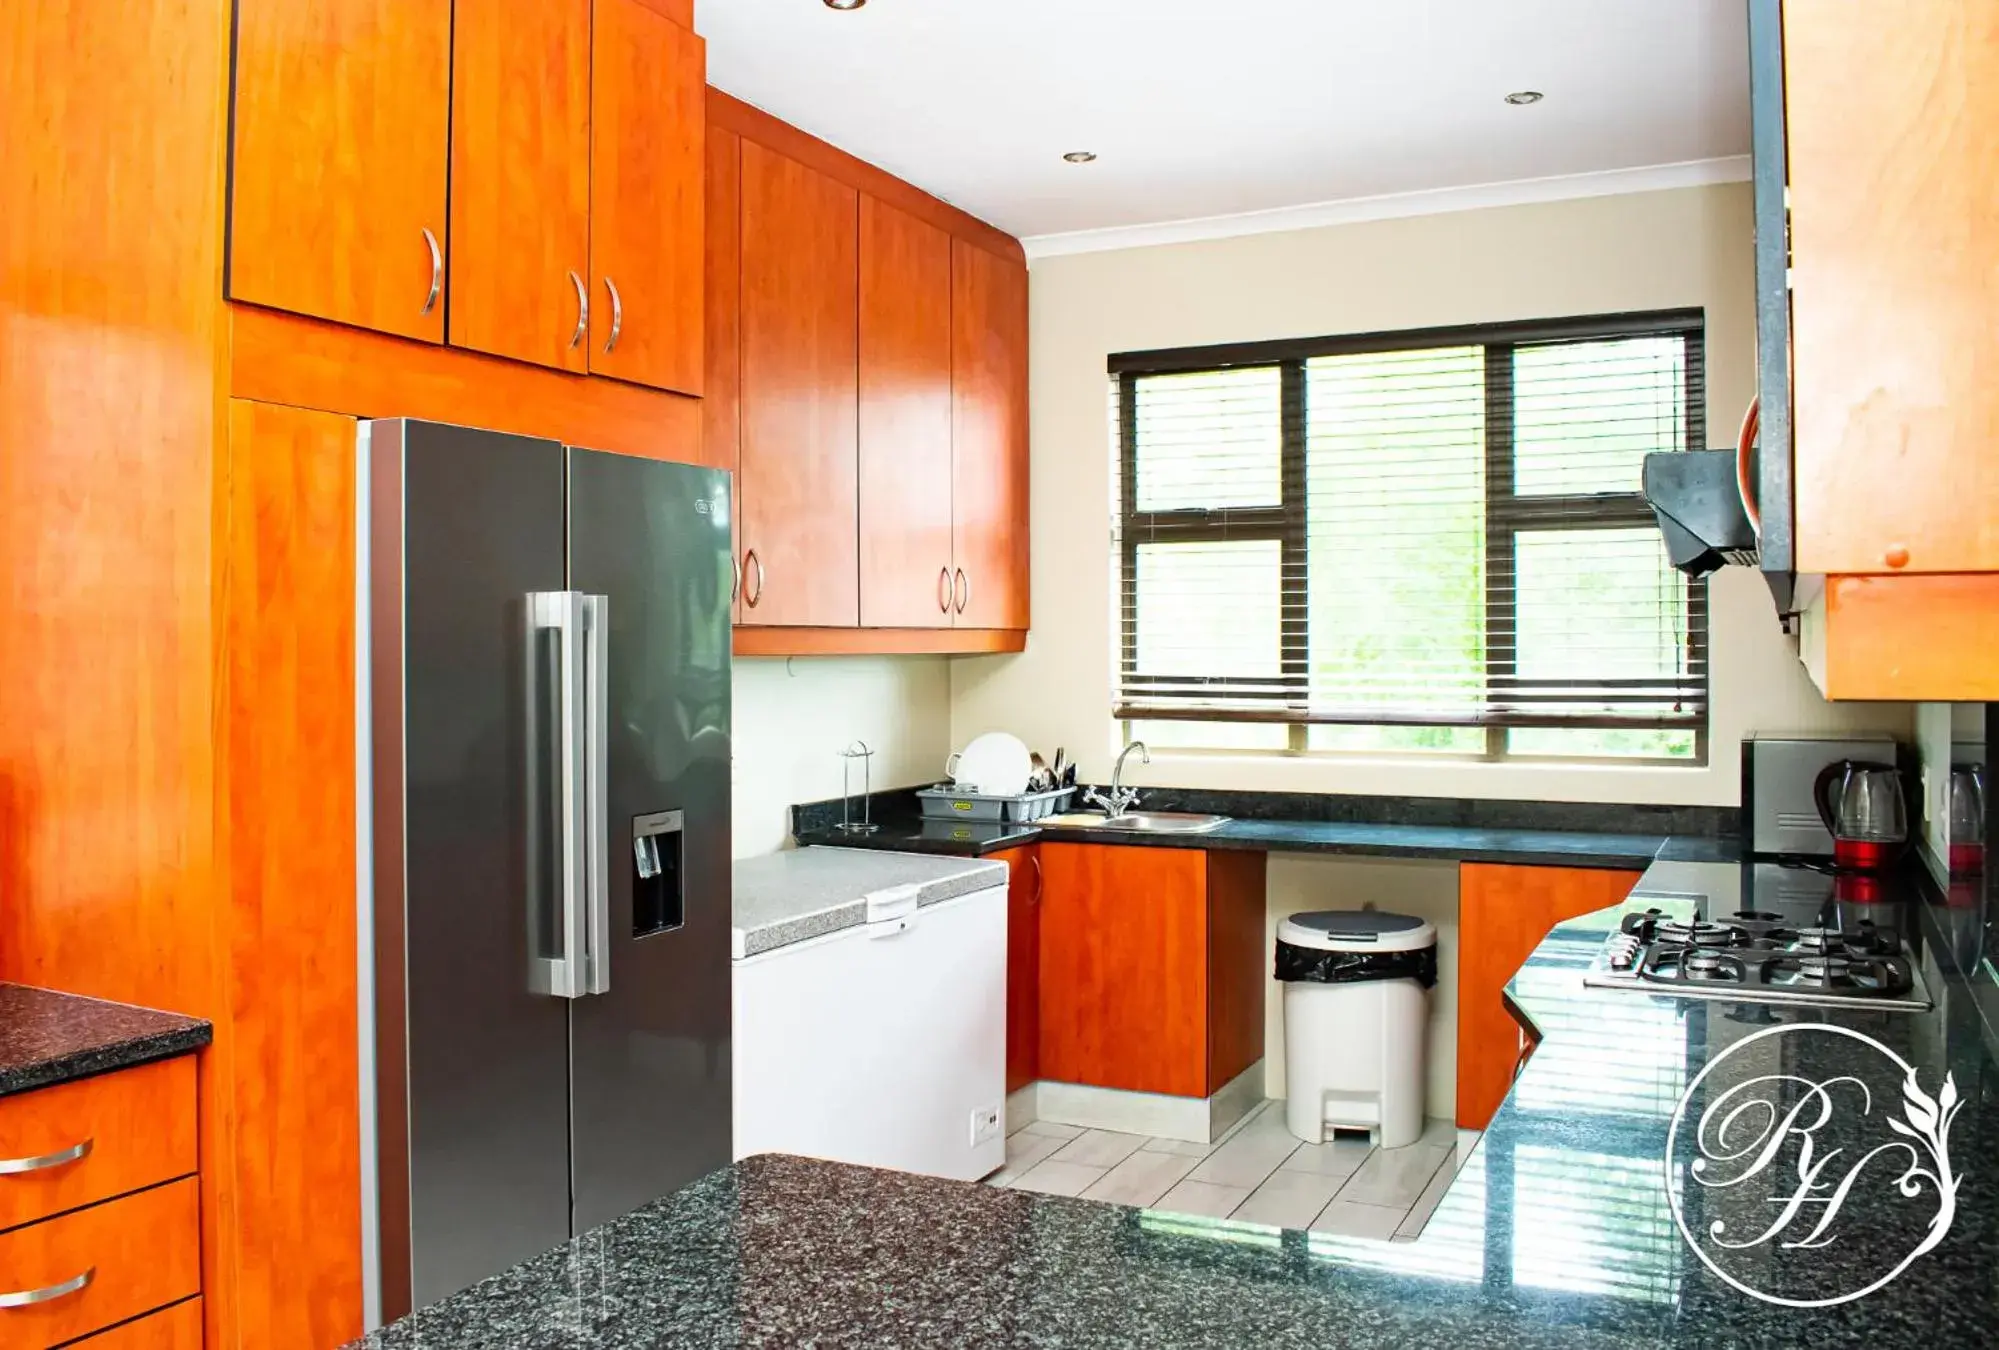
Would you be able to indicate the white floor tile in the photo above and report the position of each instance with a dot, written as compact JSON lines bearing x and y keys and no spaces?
{"x":1142,"y":1178}
{"x":1053,"y":1129}
{"x":1395,"y":1177}
{"x":1288,"y":1199}
{"x":1023,"y":1151}
{"x":1341,"y":1158}
{"x":1437,"y":1130}
{"x":1202,"y":1198}
{"x":1249,"y":1156}
{"x":1060,"y":1178}
{"x":1467,"y":1141}
{"x":1183,"y":1147}
{"x":1350,"y":1219}
{"x":1099,"y":1148}
{"x":1412,"y":1222}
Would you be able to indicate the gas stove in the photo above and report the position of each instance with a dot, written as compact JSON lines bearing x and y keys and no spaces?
{"x":1824,"y":954}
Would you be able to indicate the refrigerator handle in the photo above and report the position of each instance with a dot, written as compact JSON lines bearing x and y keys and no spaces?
{"x":560,"y":974}
{"x":596,"y":611}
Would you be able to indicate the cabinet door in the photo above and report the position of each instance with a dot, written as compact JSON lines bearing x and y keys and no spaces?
{"x":989,"y":437}
{"x":337,"y":193}
{"x":175,"y":1328}
{"x":799,"y":476}
{"x":1503,"y":914}
{"x":1124,"y":967}
{"x":648,"y":113}
{"x":722,"y":402}
{"x":1023,"y":965}
{"x":905,"y":420}
{"x":1894,"y":226}
{"x":520,"y":179}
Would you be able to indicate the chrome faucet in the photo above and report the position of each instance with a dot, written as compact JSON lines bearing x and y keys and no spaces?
{"x":1120,"y":798}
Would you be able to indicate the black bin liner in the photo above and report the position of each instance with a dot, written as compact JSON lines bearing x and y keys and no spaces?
{"x":1312,"y":965}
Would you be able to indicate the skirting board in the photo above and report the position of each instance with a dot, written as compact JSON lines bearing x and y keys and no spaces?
{"x":1197,"y":1120}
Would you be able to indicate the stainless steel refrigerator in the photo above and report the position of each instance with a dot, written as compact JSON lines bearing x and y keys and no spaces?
{"x":544,"y":734}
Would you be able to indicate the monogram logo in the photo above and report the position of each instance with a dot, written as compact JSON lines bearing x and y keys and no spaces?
{"x":1795,"y":1131}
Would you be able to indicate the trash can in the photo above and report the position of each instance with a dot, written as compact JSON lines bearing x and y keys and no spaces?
{"x":1356,"y":1018}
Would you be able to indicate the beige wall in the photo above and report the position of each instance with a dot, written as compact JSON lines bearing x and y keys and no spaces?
{"x":1658,"y":250}
{"x":792,"y":718}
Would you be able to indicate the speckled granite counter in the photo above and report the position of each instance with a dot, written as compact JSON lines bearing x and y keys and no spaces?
{"x":48,"y":1037}
{"x":1557,"y":1232}
{"x":788,"y":897}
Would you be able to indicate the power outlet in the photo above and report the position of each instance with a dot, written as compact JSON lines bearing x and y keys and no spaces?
{"x":985,"y":1125}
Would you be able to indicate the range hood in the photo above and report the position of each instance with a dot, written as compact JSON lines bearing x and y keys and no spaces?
{"x":1694,"y":495}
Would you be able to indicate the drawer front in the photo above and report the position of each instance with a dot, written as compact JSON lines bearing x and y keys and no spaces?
{"x":175,"y":1328}
{"x":138,"y":1125}
{"x":142,"y":1252}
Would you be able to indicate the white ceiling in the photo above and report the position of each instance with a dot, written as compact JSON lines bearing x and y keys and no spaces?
{"x":1202,"y":108}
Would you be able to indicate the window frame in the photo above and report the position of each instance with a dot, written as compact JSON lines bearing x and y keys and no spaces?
{"x":1506,"y":515}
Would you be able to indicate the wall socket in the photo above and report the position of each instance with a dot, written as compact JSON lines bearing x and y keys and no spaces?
{"x":985,"y":1125}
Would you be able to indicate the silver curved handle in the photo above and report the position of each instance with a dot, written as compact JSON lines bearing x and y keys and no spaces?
{"x":945,"y":590}
{"x":28,"y":1298}
{"x":617,"y":315}
{"x":436,"y":271}
{"x":736,"y":586}
{"x":963,"y":583}
{"x":582,"y":310}
{"x":1035,"y":858}
{"x":14,"y":1167}
{"x":751,"y":598}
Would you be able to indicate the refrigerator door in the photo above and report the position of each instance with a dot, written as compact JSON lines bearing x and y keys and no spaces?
{"x":472,"y":1065}
{"x":651,"y":1050}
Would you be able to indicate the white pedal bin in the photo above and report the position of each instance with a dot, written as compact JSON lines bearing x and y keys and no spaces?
{"x":1356,"y":1021}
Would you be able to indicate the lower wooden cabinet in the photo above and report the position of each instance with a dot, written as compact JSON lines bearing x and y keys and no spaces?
{"x":1151,"y":966}
{"x":1023,"y":965}
{"x":110,"y":1262}
{"x":175,"y":1328}
{"x":134,"y":1129}
{"x":1503,"y":913}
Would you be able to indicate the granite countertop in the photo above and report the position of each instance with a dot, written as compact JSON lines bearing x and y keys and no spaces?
{"x":1558,"y":1231}
{"x":48,"y":1037}
{"x":807,"y":893}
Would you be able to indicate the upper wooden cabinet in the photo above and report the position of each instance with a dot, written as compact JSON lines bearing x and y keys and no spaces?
{"x":567,"y":136}
{"x":520,"y":179}
{"x":989,"y":437}
{"x":1894,"y":224}
{"x":337,"y":199}
{"x":797,"y":489}
{"x":907,"y":566}
{"x":647,"y":159}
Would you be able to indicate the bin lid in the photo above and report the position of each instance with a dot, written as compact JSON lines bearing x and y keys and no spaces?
{"x":1357,"y":930}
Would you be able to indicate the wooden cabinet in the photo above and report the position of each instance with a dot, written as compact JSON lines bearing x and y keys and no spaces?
{"x":337,"y":179}
{"x":1151,"y":967}
{"x":175,"y":1328}
{"x":798,"y":487}
{"x":136,"y":1127}
{"x":907,"y":573}
{"x":1503,"y":914}
{"x":647,"y":160}
{"x":142,"y":1252}
{"x":1023,"y":965}
{"x":520,"y":179}
{"x":989,"y":438}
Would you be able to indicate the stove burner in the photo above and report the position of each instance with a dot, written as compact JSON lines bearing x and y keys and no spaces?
{"x":1883,"y":976}
{"x":1692,"y":965}
{"x":1754,"y":916}
{"x":1701,"y":933}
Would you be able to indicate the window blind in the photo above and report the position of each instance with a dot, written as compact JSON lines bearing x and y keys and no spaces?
{"x":1427,"y":530}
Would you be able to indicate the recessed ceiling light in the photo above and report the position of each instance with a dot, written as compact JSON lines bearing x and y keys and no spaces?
{"x":1080,"y":156}
{"x":1519,"y":99}
{"x":845,"y":4}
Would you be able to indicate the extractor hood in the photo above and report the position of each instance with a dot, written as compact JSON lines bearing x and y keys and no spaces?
{"x":1699,"y":507}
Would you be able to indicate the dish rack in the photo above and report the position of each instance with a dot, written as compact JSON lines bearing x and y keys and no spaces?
{"x":945,"y":802}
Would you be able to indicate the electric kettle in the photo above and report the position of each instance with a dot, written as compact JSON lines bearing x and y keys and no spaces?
{"x":1967,"y":818}
{"x":1866,"y":809}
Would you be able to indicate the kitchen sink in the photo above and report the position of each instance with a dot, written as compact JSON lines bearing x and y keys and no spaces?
{"x":1163,"y":822}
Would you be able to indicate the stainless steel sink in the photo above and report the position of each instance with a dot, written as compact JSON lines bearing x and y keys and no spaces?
{"x":1164,"y":822}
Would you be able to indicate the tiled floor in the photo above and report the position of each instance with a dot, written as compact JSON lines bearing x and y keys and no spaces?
{"x":1256,"y":1173}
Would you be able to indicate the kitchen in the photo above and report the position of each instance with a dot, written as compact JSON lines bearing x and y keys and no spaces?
{"x":792,"y":327}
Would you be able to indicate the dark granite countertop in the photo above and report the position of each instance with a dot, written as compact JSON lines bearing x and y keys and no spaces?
{"x":1558,"y":1231}
{"x":48,"y":1037}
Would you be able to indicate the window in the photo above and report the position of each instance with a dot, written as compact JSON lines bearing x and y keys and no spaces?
{"x":1426,"y":541}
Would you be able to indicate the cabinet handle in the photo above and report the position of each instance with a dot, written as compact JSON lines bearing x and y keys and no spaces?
{"x":944,"y":589}
{"x":1035,"y":858}
{"x":28,"y":1298}
{"x":617,"y":315}
{"x":751,"y":598}
{"x":582,"y":310}
{"x":964,"y":583}
{"x":436,"y":271}
{"x":14,"y":1167}
{"x":736,"y":586}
